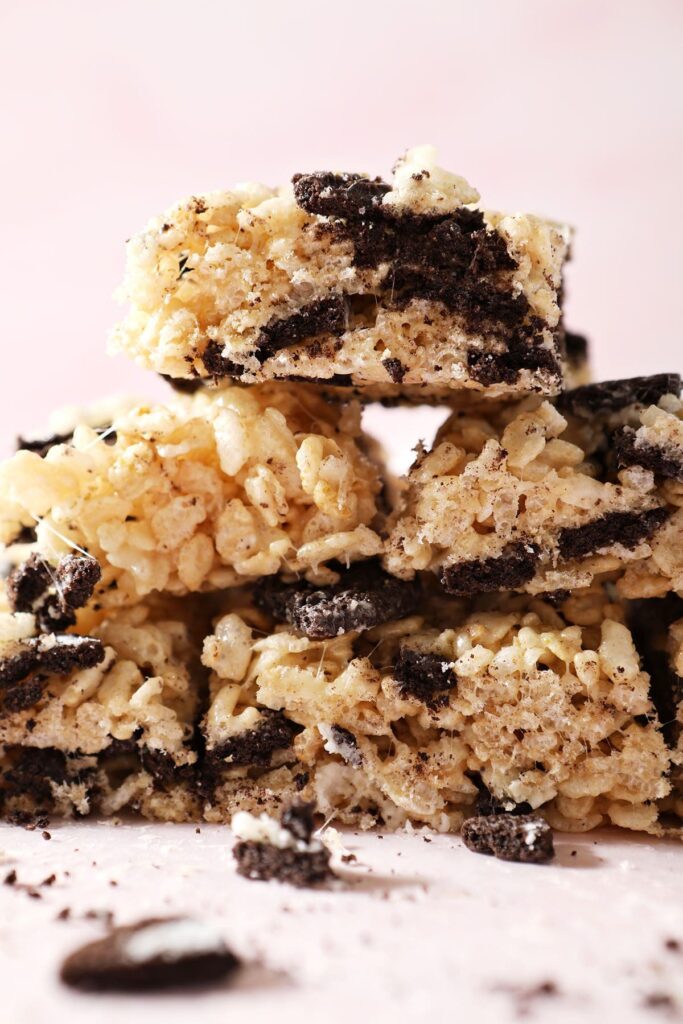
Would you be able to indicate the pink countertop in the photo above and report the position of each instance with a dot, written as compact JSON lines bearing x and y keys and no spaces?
{"x":418,"y":931}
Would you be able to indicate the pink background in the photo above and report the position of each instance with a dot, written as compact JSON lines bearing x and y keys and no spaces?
{"x":113,"y":111}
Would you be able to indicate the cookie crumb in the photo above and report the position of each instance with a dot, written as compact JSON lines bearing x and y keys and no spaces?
{"x":525,"y":838}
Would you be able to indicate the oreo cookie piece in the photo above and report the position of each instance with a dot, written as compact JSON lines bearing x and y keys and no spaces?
{"x":35,"y":770}
{"x":184,"y":385}
{"x":663,"y":462}
{"x":284,"y":851}
{"x":575,"y":347}
{"x":625,"y":528}
{"x":423,"y":675}
{"x":157,"y":953}
{"x":53,"y":595}
{"x":514,"y":567}
{"x":263,"y":862}
{"x":488,"y":804}
{"x":254,"y":747}
{"x":364,"y":597}
{"x":490,"y":368}
{"x":52,"y":655}
{"x":612,"y":395}
{"x":28,"y":583}
{"x":351,"y":196}
{"x":41,"y":446}
{"x":324,"y":316}
{"x":339,"y":741}
{"x":527,"y":838}
{"x":217,"y":365}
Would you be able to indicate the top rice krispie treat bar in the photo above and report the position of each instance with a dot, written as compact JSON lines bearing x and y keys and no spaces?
{"x":403,"y":288}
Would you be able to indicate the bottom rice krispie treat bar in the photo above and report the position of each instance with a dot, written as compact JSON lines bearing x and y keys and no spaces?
{"x":99,"y":721}
{"x":428,"y":717}
{"x":438,"y":716}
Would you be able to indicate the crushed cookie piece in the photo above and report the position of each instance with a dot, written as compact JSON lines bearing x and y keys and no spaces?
{"x":286,"y":851}
{"x":510,"y":570}
{"x":365,"y":596}
{"x":423,"y":674}
{"x":527,"y":838}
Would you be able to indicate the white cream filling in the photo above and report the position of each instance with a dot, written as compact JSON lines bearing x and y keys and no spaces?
{"x":173,"y":940}
{"x":264,"y":829}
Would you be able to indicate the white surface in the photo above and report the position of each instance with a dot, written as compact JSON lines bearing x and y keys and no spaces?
{"x":419,"y":932}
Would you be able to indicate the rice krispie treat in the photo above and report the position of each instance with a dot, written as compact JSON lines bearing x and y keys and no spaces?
{"x":404,"y":287}
{"x":102,"y":720}
{"x":436,"y":717}
{"x":201,"y":494}
{"x":540,"y":497}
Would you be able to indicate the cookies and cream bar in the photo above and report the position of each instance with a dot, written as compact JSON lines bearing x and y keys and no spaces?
{"x":98,"y":721}
{"x":200,"y":494}
{"x":435,"y":717}
{"x":406,"y":287}
{"x":540,"y":496}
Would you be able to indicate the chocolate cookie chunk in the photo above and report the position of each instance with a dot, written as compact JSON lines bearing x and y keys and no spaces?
{"x":423,"y":674}
{"x":514,"y":567}
{"x":184,"y":385}
{"x":612,"y":395}
{"x":625,"y":528}
{"x":255,"y":747}
{"x":325,"y":316}
{"x":263,"y":862}
{"x":52,"y":655}
{"x":41,"y":446}
{"x":339,"y":195}
{"x":527,"y":838}
{"x":294,"y":856}
{"x":217,"y":365}
{"x":364,"y":597}
{"x":663,"y":462}
{"x":153,"y":954}
{"x":299,"y":820}
{"x":340,"y":741}
{"x":53,"y":595}
{"x":488,"y":804}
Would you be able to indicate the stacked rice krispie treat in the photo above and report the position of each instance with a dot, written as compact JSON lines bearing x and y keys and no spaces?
{"x":225,"y":603}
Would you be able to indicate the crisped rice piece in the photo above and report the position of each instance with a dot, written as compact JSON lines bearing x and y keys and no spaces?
{"x":403,"y":288}
{"x":202,"y":493}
